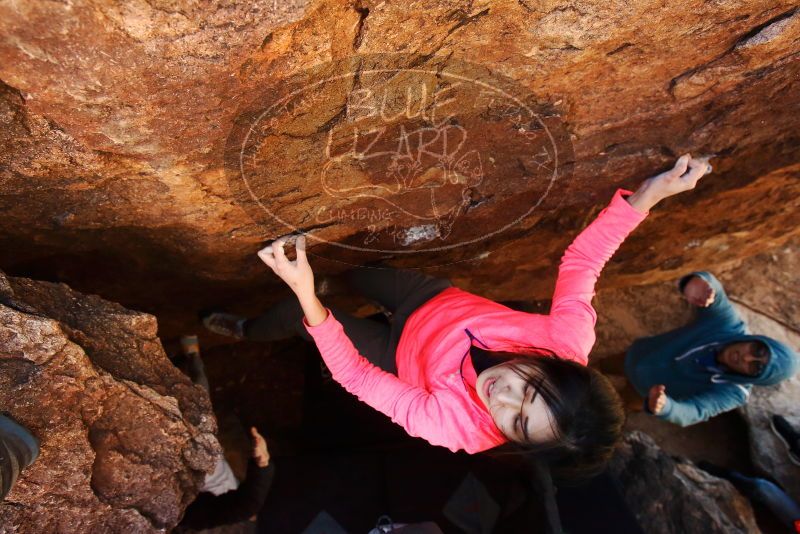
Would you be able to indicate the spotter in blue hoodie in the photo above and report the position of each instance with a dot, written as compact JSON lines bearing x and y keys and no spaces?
{"x":684,"y":360}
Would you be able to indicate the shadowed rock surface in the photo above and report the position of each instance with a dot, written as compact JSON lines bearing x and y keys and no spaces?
{"x":767,"y":451}
{"x":673,"y":496}
{"x":125,"y":438}
{"x":116,"y":118}
{"x":768,"y":298}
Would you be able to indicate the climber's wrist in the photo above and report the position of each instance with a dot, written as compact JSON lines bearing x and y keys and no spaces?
{"x":645,"y":197}
{"x":313,"y":309}
{"x":306,"y":295}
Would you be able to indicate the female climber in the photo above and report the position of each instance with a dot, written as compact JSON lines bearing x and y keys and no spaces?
{"x":462,"y":371}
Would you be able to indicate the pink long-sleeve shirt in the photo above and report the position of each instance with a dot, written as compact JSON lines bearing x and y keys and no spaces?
{"x":428,"y":397}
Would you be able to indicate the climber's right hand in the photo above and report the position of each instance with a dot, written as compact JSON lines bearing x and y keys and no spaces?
{"x":682,"y":177}
{"x":297,"y":274}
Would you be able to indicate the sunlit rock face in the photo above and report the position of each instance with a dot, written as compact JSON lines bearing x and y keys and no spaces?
{"x":148,"y":149}
{"x":125,"y":438}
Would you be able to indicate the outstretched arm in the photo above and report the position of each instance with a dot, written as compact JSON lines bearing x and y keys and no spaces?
{"x":419,"y":412}
{"x":572,"y":315}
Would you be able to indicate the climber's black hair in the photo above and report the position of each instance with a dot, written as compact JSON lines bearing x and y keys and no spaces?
{"x":586,"y":413}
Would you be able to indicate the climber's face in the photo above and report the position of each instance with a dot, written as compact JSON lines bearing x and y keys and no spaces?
{"x":518,"y":411}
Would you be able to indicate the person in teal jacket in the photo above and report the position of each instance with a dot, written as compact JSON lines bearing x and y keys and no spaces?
{"x":709,"y":366}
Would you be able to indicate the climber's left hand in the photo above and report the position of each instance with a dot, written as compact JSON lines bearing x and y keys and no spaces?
{"x":297,"y":274}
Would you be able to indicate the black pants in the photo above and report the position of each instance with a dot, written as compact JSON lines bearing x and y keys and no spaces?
{"x":400,"y":291}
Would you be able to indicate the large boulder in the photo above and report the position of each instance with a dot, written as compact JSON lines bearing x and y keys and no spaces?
{"x":126,"y":439}
{"x":119,"y":125}
{"x":672,"y":496}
